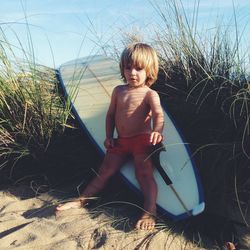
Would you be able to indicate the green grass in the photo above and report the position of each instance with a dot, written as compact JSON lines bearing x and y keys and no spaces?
{"x":31,"y":108}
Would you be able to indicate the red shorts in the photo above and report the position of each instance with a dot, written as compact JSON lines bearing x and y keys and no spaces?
{"x":139,"y":144}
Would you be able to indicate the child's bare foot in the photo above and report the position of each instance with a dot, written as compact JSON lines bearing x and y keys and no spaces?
{"x":146,"y":222}
{"x":78,"y":203}
{"x":230,"y":246}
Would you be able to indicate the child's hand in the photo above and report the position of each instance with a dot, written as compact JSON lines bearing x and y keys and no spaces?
{"x":109,"y":143}
{"x":156,"y":138}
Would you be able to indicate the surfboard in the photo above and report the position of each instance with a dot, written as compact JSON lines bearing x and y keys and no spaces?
{"x":89,"y":83}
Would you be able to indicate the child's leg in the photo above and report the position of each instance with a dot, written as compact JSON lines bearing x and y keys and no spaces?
{"x":144,"y":174}
{"x":111,"y":164}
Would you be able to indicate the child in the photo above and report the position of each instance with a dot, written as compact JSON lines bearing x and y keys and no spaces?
{"x":136,"y":114}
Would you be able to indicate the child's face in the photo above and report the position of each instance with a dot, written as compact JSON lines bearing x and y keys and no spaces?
{"x":135,"y":76}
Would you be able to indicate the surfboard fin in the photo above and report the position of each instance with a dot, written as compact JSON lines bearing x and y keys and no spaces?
{"x":156,"y":161}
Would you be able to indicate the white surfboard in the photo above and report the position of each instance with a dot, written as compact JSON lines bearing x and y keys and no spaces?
{"x":89,"y":83}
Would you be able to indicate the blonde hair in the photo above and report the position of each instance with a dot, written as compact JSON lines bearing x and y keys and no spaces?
{"x":143,"y":56}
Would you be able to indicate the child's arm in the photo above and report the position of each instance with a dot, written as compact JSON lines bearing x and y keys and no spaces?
{"x":157,"y":117}
{"x":110,"y":121}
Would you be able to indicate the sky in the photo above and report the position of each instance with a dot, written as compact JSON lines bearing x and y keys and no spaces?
{"x":63,"y":30}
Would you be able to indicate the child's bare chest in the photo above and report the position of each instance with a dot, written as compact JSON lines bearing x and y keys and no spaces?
{"x":132,"y":100}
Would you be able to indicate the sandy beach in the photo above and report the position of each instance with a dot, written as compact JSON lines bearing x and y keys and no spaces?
{"x":28,"y":221}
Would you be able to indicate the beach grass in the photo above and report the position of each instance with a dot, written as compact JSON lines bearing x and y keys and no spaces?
{"x":31,"y":109}
{"x":204,"y":80}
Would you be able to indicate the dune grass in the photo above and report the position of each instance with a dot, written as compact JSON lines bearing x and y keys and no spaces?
{"x":204,"y":80}
{"x":31,"y":109}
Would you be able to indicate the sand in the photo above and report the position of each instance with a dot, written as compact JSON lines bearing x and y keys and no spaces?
{"x":28,"y":221}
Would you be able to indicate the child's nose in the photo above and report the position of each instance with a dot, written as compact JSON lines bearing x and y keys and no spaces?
{"x":133,"y":71}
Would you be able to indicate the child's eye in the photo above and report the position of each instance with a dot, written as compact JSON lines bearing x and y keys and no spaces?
{"x":138,"y":68}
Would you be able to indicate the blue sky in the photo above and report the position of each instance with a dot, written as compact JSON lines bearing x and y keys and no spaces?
{"x":63,"y":30}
